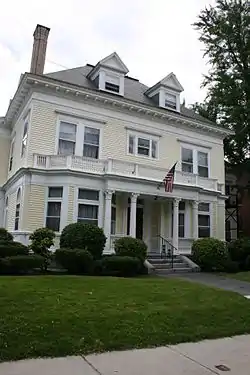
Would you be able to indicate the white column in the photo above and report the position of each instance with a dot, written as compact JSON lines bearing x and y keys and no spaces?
{"x":176,"y":224}
{"x":107,"y":219}
{"x":195,"y":219}
{"x":132,"y":228}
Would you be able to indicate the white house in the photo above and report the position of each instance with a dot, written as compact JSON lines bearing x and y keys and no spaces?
{"x":92,"y":144}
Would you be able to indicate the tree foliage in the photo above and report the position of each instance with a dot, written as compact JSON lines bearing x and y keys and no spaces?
{"x":225,"y":32}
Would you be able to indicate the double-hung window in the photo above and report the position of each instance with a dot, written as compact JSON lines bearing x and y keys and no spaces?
{"x":195,"y":161}
{"x":182,"y":219}
{"x":112,"y":83}
{"x":204,"y":220}
{"x":113,"y":214}
{"x":67,"y":138}
{"x":18,"y":206}
{"x":91,"y":142}
{"x":88,"y":205}
{"x":170,"y":101}
{"x":142,"y":146}
{"x":11,"y":154}
{"x":25,"y":136}
{"x":53,"y":214}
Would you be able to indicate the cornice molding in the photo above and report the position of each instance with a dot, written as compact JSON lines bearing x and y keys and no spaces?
{"x":30,"y":81}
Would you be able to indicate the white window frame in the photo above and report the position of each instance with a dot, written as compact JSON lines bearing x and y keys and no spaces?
{"x":103,"y":73}
{"x":55,"y":200}
{"x":80,"y":130}
{"x":195,"y":151}
{"x":147,"y":137}
{"x":18,"y":203}
{"x":11,"y":158}
{"x":88,"y":202}
{"x":175,"y":96}
{"x":6,"y":212}
{"x":67,"y":140}
{"x":25,"y":136}
{"x":182,"y":212}
{"x":205,"y":213}
{"x":113,"y":207}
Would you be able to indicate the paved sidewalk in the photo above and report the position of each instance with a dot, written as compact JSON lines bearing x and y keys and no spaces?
{"x":184,"y":359}
{"x":218,"y":281}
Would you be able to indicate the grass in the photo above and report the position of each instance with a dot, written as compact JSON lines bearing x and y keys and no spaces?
{"x":62,"y":315}
{"x":243,"y":276}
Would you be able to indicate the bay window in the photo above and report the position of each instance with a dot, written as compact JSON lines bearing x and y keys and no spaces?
{"x":91,"y":142}
{"x":18,"y":206}
{"x":88,"y":206}
{"x":67,"y":138}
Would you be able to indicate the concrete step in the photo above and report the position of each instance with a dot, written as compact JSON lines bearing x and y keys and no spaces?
{"x":164,"y":261}
{"x":163,"y":266}
{"x":161,"y":272}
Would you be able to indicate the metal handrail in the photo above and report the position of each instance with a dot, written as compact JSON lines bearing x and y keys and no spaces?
{"x":170,"y":254}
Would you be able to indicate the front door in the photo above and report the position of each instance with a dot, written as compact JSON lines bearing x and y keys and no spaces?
{"x":139,"y":222}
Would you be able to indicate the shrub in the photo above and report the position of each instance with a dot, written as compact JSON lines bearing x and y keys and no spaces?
{"x":41,"y":240}
{"x":239,"y":250}
{"x":209,"y":253}
{"x":131,"y":247}
{"x":124,"y":266}
{"x":5,"y":236}
{"x":83,"y":236}
{"x":12,"y":249}
{"x":75,"y":260}
{"x":20,"y":264}
{"x":230,"y":266}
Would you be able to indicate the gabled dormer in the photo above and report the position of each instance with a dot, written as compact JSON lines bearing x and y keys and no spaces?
{"x":166,"y":93}
{"x":109,"y":73}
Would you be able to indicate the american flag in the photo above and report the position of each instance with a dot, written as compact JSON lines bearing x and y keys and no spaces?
{"x":169,"y":179}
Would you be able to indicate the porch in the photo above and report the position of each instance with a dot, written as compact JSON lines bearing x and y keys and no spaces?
{"x":150,"y":219}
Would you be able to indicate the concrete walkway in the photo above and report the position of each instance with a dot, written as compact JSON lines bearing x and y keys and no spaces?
{"x":203,"y":358}
{"x":218,"y":281}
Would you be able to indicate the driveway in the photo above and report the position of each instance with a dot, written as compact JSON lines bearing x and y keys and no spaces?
{"x":218,"y":281}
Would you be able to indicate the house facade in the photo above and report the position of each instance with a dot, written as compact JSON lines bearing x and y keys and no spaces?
{"x":92,"y":144}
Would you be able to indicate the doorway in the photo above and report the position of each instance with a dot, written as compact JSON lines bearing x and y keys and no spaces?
{"x":139,"y":221}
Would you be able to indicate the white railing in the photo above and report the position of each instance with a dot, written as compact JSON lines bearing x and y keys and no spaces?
{"x":122,"y":168}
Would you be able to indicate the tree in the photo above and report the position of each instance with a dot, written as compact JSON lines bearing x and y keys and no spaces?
{"x":41,"y":241}
{"x":225,"y":32}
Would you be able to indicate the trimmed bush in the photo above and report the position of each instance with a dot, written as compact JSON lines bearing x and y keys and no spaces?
{"x":5,"y":236}
{"x":83,"y":236}
{"x":13,"y":249}
{"x":75,"y":261}
{"x":131,"y":247}
{"x":209,"y":253}
{"x":20,"y":264}
{"x":239,"y":250}
{"x":123,"y":266}
{"x":230,"y":266}
{"x":41,"y":241}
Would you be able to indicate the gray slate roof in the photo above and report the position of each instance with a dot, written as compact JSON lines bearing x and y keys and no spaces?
{"x":133,"y":89}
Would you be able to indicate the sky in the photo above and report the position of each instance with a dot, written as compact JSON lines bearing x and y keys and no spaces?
{"x":152,"y":37}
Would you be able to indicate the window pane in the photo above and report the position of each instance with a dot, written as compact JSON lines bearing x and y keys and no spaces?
{"x":53,"y":223}
{"x":154,"y":145}
{"x":55,"y":192}
{"x":91,"y":151}
{"x":143,"y":151}
{"x":88,"y":221}
{"x":92,"y":195}
{"x":91,"y":136}
{"x":182,"y":206}
{"x":203,"y":171}
{"x":67,"y":131}
{"x":113,"y":213}
{"x":86,"y":211}
{"x":181,"y":219}
{"x":204,"y":207}
{"x":203,"y":220}
{"x":66,"y":147}
{"x":187,"y":155}
{"x":143,"y":142}
{"x":181,"y":231}
{"x":204,"y":232}
{"x":16,"y":223}
{"x":202,"y":159}
{"x":187,"y":167}
{"x":54,"y":209}
{"x":112,"y":87}
{"x":131,"y":148}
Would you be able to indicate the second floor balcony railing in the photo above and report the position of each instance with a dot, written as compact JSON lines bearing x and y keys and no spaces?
{"x":121,"y":168}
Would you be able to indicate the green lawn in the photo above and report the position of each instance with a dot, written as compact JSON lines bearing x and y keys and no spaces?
{"x":243,"y":276}
{"x":60,"y":315}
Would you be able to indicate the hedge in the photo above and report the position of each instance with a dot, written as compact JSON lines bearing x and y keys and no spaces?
{"x":132,"y":247}
{"x":20,"y":264}
{"x":75,"y":261}
{"x":12,"y":248}
{"x":210,"y":254}
{"x":124,"y":266}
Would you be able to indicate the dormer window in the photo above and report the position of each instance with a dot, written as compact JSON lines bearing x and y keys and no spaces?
{"x":112,"y":83}
{"x":109,"y":74}
{"x":170,"y":101}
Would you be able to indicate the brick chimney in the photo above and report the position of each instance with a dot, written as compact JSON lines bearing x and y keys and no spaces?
{"x":40,"y":35}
